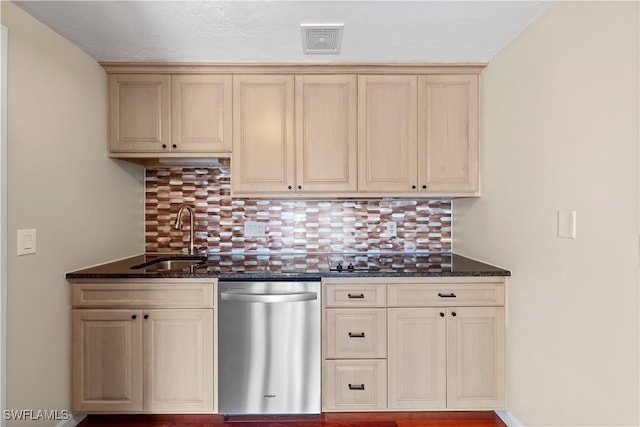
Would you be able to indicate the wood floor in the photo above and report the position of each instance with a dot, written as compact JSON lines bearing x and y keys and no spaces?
{"x":382,"y":419}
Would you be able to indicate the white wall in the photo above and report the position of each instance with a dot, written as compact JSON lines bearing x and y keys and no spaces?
{"x":86,"y":208}
{"x":559,"y":131}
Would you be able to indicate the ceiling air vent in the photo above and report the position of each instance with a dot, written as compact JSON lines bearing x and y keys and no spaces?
{"x":321,"y":38}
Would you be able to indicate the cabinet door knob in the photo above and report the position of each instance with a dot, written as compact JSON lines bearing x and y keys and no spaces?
{"x":441,"y":314}
{"x":299,"y":187}
{"x":289,"y":187}
{"x":164,"y":146}
{"x":174,"y":146}
{"x":453,"y":314}
{"x":424,"y":187}
{"x":413,"y":187}
{"x":146,"y":316}
{"x":134,"y":316}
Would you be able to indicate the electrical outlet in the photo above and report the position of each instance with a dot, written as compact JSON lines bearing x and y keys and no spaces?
{"x":392,"y":228}
{"x":254,"y":229}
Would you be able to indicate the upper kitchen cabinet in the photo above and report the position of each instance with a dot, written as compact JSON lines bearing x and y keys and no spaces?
{"x":263,"y":145}
{"x":306,"y":130}
{"x":326,"y":133}
{"x":201,"y":113}
{"x":139,"y":112}
{"x":158,"y":115}
{"x":418,"y":134}
{"x":448,"y":134}
{"x":387,"y":133}
{"x":267,"y":160}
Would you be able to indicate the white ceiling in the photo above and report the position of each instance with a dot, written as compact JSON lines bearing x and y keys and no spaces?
{"x":374,"y":31}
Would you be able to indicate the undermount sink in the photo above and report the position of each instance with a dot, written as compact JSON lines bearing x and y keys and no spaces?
{"x":171,"y":263}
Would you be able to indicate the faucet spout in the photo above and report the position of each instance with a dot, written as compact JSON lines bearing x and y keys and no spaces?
{"x":192,"y":231}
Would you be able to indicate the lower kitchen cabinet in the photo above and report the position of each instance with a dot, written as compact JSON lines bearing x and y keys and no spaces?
{"x":417,"y":358}
{"x":107,"y":360}
{"x":476,"y":358}
{"x":144,"y":358}
{"x":178,"y":360}
{"x":445,"y":340}
{"x":461,"y":358}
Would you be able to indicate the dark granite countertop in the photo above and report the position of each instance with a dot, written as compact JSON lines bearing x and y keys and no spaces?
{"x":297,"y":266}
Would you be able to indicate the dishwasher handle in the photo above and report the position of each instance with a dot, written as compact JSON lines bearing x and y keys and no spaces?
{"x":268,"y":298}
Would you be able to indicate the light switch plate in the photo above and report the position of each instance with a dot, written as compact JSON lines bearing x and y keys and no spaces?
{"x":567,"y":224}
{"x":26,"y":242}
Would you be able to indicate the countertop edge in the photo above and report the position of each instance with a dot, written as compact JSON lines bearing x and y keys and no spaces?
{"x":121,"y":269}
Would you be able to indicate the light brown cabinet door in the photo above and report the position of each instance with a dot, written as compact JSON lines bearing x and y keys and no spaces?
{"x":476,"y":358}
{"x":417,"y":358}
{"x":139,"y":112}
{"x":178,"y":368}
{"x":263,"y":144}
{"x":387,"y":133}
{"x":201,"y":113}
{"x":106,"y":360}
{"x":326,"y":125}
{"x":448,"y":134}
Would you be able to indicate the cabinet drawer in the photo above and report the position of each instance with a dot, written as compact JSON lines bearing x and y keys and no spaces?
{"x":143,"y":294}
{"x":355,"y":295}
{"x":356,"y":333}
{"x":443,"y":294}
{"x":354,"y":385}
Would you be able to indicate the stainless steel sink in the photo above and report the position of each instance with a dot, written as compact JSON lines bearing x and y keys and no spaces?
{"x":171,"y":263}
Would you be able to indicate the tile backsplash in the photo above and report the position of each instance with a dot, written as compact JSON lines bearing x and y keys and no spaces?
{"x":292,"y":225}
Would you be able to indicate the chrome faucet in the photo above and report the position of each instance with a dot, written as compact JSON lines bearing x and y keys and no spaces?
{"x":192,"y":231}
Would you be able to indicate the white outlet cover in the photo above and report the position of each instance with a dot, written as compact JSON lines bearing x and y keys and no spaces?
{"x":254,"y":229}
{"x":392,"y":228}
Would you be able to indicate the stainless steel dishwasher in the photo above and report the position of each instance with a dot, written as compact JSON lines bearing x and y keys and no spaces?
{"x":269,"y":348}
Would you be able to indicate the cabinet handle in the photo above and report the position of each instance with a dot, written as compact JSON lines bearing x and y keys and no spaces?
{"x":454,"y":314}
{"x":356,"y":334}
{"x":134,"y":316}
{"x":146,"y":316}
{"x":356,"y":387}
{"x":424,"y":187}
{"x":449,"y":295}
{"x":413,"y":187}
{"x":355,"y":296}
{"x":299,"y":187}
{"x":164,"y":146}
{"x":441,"y":314}
{"x":174,"y":146}
{"x":289,"y":187}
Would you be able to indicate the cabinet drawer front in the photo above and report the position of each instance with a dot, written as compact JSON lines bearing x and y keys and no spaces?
{"x":356,"y":295}
{"x":140,"y":295}
{"x":356,"y":333}
{"x":443,"y":294}
{"x":355,"y":385}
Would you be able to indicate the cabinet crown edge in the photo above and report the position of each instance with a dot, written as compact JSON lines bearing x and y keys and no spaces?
{"x":125,"y":67}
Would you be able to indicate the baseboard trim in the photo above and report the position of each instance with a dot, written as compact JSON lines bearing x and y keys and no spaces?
{"x":73,"y":421}
{"x":508,"y":419}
